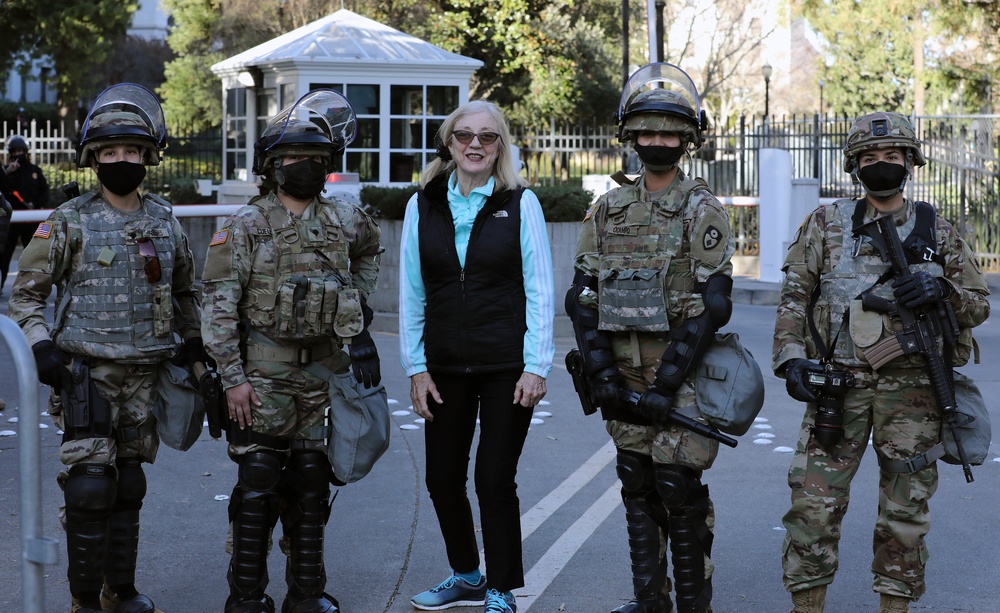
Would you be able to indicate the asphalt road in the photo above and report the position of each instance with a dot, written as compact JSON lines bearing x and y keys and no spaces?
{"x":383,"y":543}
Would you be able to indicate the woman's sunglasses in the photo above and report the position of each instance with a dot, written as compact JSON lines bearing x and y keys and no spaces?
{"x":485,"y":138}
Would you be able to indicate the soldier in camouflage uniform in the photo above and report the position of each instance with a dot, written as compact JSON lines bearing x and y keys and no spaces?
{"x":125,"y":280}
{"x":652,"y":286}
{"x":286,"y":283}
{"x":894,"y":405}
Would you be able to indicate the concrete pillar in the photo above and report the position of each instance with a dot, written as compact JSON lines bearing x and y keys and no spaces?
{"x":774,"y":211}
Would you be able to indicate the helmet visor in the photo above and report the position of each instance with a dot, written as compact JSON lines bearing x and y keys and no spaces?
{"x":330,"y":111}
{"x":665,"y":76}
{"x":131,"y":98}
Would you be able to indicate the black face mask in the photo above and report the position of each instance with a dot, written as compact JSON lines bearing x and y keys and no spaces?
{"x":303,"y":180}
{"x":883,"y":179}
{"x":121,"y":178}
{"x":659,"y":158}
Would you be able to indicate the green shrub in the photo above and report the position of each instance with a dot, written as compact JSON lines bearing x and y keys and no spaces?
{"x":387,"y":202}
{"x":563,"y":202}
{"x":559,"y":203}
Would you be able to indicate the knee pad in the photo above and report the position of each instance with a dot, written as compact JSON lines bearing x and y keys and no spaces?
{"x":635,"y":471}
{"x":91,"y":490}
{"x":131,"y":484}
{"x":674,"y":482}
{"x":260,"y":471}
{"x":308,"y":471}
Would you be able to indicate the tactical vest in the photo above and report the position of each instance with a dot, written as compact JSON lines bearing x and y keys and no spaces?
{"x":854,"y":328}
{"x":112,"y":307}
{"x":643,"y":259}
{"x":300,"y":289}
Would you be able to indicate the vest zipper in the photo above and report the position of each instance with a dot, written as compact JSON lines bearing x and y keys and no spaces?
{"x":462,"y":327}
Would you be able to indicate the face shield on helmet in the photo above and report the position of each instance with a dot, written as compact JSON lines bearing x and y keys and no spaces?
{"x":661,"y":97}
{"x":125,"y":113}
{"x":321,"y":122}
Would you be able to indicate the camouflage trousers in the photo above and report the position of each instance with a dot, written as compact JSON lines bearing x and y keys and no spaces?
{"x":294,"y":402}
{"x":898,"y":412}
{"x":131,"y":390}
{"x":664,"y":444}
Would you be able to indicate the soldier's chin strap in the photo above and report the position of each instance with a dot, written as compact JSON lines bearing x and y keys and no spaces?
{"x":690,"y":341}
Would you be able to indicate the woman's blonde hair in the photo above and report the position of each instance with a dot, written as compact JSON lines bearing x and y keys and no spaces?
{"x":504,"y":173}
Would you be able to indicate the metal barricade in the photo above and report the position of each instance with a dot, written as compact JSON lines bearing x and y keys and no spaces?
{"x":36,"y":550}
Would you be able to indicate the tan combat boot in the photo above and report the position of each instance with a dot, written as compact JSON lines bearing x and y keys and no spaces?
{"x":809,"y":601}
{"x":893,"y":604}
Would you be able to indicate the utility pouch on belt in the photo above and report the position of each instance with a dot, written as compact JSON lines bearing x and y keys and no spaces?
{"x":359,"y":427}
{"x":86,"y":413}
{"x":977,"y":432}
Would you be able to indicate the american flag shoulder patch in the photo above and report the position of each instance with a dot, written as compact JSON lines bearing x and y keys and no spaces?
{"x":219,"y":238}
{"x":44,"y":231}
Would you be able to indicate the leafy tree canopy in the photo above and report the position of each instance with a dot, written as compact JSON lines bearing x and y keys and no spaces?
{"x":76,"y":37}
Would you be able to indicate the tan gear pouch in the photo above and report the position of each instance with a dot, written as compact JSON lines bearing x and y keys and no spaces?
{"x":866,"y":326}
{"x":349,"y":320}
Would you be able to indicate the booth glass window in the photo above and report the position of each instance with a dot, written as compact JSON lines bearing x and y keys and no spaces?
{"x":236,"y":133}
{"x":415,"y":114}
{"x":362,"y":155}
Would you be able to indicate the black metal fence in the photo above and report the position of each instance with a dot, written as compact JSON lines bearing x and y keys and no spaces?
{"x":962,"y":177}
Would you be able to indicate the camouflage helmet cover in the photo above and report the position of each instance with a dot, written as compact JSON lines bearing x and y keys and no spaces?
{"x":322,"y":122}
{"x":125,"y":113}
{"x":646,"y":112}
{"x":879,"y":131}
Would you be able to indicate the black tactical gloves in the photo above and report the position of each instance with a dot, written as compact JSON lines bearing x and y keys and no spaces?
{"x":606,"y":386}
{"x":655,"y":403}
{"x":364,"y":359}
{"x":919,"y":288}
{"x":795,"y":379}
{"x":52,"y":365}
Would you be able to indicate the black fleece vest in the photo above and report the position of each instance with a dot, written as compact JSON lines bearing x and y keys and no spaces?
{"x":474,"y":318}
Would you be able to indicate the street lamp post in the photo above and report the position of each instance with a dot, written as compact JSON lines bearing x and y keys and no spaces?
{"x":766,"y":71}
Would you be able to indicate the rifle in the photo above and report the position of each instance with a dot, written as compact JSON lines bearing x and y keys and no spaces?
{"x":212,"y":394}
{"x":921,"y":327}
{"x":574,"y":364}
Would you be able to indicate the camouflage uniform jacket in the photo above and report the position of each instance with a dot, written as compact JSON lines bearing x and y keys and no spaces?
{"x":259,"y":257}
{"x":108,"y":305}
{"x":818,"y":255}
{"x":650,"y":256}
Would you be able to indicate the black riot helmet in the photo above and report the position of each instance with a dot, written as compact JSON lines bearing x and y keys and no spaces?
{"x":126,"y":113}
{"x":321,"y":123}
{"x":17,"y":142}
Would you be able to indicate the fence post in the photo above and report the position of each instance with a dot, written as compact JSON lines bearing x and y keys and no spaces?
{"x":36,"y":551}
{"x":775,"y":188}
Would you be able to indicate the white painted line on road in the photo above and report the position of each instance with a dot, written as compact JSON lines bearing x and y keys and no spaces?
{"x":553,"y":561}
{"x":531,"y":520}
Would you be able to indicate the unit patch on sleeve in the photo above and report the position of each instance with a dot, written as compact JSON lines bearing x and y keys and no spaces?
{"x":711,"y":239}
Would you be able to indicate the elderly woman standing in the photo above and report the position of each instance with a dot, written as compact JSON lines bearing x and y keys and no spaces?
{"x":476,"y":310}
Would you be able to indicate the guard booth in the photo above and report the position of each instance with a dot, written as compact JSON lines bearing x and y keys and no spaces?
{"x":401,"y":88}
